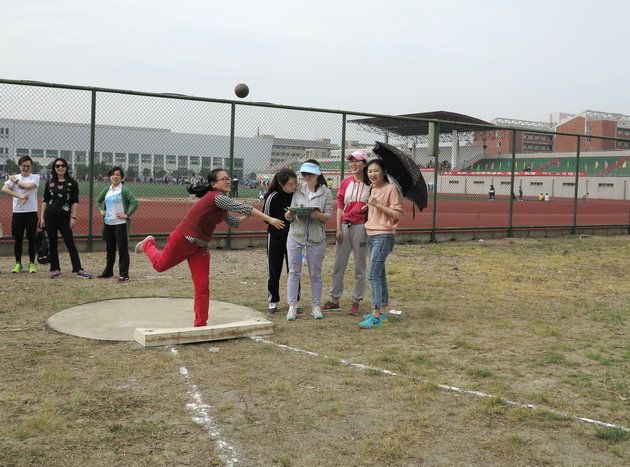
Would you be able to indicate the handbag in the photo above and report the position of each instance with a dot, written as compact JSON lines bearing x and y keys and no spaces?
{"x":41,"y":245}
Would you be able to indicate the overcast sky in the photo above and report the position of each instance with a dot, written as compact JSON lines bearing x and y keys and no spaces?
{"x":485,"y":58}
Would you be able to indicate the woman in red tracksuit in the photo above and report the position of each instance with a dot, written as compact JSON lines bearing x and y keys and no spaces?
{"x":190,"y":239}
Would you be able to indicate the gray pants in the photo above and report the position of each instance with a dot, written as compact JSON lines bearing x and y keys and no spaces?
{"x":354,"y":240}
{"x":314,"y":260}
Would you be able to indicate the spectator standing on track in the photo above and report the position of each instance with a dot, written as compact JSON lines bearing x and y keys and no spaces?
{"x":59,"y":214}
{"x":352,"y":197}
{"x":491,"y":193}
{"x":23,"y":189}
{"x":520,"y":193}
{"x":116,"y":204}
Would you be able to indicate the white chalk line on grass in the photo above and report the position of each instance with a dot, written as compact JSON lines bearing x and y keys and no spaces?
{"x":203,"y":418}
{"x":445,"y":386}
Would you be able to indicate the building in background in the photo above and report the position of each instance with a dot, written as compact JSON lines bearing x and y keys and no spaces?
{"x":592,"y":123}
{"x":500,"y":141}
{"x":286,"y":151}
{"x":142,"y":152}
{"x":528,"y":140}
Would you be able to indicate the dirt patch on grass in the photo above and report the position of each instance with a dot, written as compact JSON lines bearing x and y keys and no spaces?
{"x":541,"y":322}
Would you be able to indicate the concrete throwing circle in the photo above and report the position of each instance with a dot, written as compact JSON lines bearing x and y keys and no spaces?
{"x":117,"y":320}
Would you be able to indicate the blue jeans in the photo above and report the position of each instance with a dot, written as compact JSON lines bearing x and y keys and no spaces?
{"x":379,"y":247}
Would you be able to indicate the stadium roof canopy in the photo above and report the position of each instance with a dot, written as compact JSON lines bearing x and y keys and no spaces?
{"x":405,"y":127}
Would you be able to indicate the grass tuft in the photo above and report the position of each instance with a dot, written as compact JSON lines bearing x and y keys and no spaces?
{"x":611,"y":434}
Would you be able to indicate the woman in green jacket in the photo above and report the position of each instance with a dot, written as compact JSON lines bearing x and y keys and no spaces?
{"x":116,"y":204}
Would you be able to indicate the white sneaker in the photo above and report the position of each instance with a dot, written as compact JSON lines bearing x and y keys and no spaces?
{"x":273,"y":308}
{"x":292,"y":313}
{"x":138,"y":248}
{"x":317,"y":313}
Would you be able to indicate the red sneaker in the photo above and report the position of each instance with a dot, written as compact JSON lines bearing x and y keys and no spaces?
{"x":330,"y":305}
{"x":354,"y":309}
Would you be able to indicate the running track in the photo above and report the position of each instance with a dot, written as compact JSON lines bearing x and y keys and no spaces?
{"x":162,"y":215}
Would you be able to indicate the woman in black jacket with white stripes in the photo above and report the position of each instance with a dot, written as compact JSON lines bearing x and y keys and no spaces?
{"x":276,"y":201}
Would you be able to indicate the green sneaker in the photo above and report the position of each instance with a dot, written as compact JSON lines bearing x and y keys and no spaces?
{"x":31,"y":268}
{"x":17,"y":268}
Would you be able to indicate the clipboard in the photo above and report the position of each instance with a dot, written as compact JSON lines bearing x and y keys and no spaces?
{"x":303,"y":210}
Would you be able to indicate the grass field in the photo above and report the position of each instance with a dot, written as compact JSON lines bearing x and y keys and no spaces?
{"x":502,"y":349}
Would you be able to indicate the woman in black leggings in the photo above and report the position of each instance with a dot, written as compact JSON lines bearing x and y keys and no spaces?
{"x":23,"y":188}
{"x":59,"y":214}
{"x":277,"y":200}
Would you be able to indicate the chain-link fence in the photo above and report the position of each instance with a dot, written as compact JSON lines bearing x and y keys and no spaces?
{"x":481,"y":177}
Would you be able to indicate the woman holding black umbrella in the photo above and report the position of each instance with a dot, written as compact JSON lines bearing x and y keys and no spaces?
{"x":385,"y":209}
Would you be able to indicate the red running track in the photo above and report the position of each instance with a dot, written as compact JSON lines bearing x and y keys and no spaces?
{"x":161,"y":216}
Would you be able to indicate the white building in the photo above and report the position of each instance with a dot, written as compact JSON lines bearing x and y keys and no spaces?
{"x":152,"y":151}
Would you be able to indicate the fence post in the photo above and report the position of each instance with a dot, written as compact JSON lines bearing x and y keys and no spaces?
{"x":575,"y":190}
{"x":91,"y":172}
{"x":343,"y":145}
{"x":512,"y":193}
{"x":228,"y":240}
{"x":434,"y":148}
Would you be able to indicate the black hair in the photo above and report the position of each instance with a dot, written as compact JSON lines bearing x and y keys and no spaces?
{"x":200,"y":190}
{"x":23,"y":159}
{"x":321,"y":180}
{"x":114,"y":169}
{"x":381,"y":164}
{"x":280,"y":179}
{"x":53,"y":172}
{"x":366,"y":180}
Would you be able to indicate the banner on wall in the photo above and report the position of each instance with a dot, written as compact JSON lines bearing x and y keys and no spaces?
{"x":519,"y":174}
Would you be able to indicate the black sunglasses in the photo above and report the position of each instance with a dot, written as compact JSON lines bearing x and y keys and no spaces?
{"x":59,"y":166}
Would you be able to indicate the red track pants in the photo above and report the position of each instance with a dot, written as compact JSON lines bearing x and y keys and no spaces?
{"x":176,"y":250}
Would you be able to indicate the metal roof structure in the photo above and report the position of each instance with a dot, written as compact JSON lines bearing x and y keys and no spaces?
{"x":515,"y":123}
{"x":596,"y":115}
{"x":407,"y":127}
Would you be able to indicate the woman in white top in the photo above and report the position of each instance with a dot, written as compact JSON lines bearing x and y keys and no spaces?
{"x":23,"y":189}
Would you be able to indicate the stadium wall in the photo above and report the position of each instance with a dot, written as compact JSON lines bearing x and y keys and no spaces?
{"x":557,"y":186}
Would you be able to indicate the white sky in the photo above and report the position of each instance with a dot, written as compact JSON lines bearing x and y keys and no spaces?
{"x":485,"y":58}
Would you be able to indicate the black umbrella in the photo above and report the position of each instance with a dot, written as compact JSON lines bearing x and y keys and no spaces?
{"x":405,"y":171}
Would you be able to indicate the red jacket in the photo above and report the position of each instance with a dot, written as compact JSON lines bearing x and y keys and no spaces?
{"x":351,"y":197}
{"x":202,"y":218}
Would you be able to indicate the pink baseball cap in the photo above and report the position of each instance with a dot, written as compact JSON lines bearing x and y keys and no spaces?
{"x":358,"y":155}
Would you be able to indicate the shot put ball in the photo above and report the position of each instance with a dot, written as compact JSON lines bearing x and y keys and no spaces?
{"x":241,"y":90}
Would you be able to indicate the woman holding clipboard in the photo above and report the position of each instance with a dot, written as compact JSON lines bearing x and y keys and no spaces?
{"x":310,"y":209}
